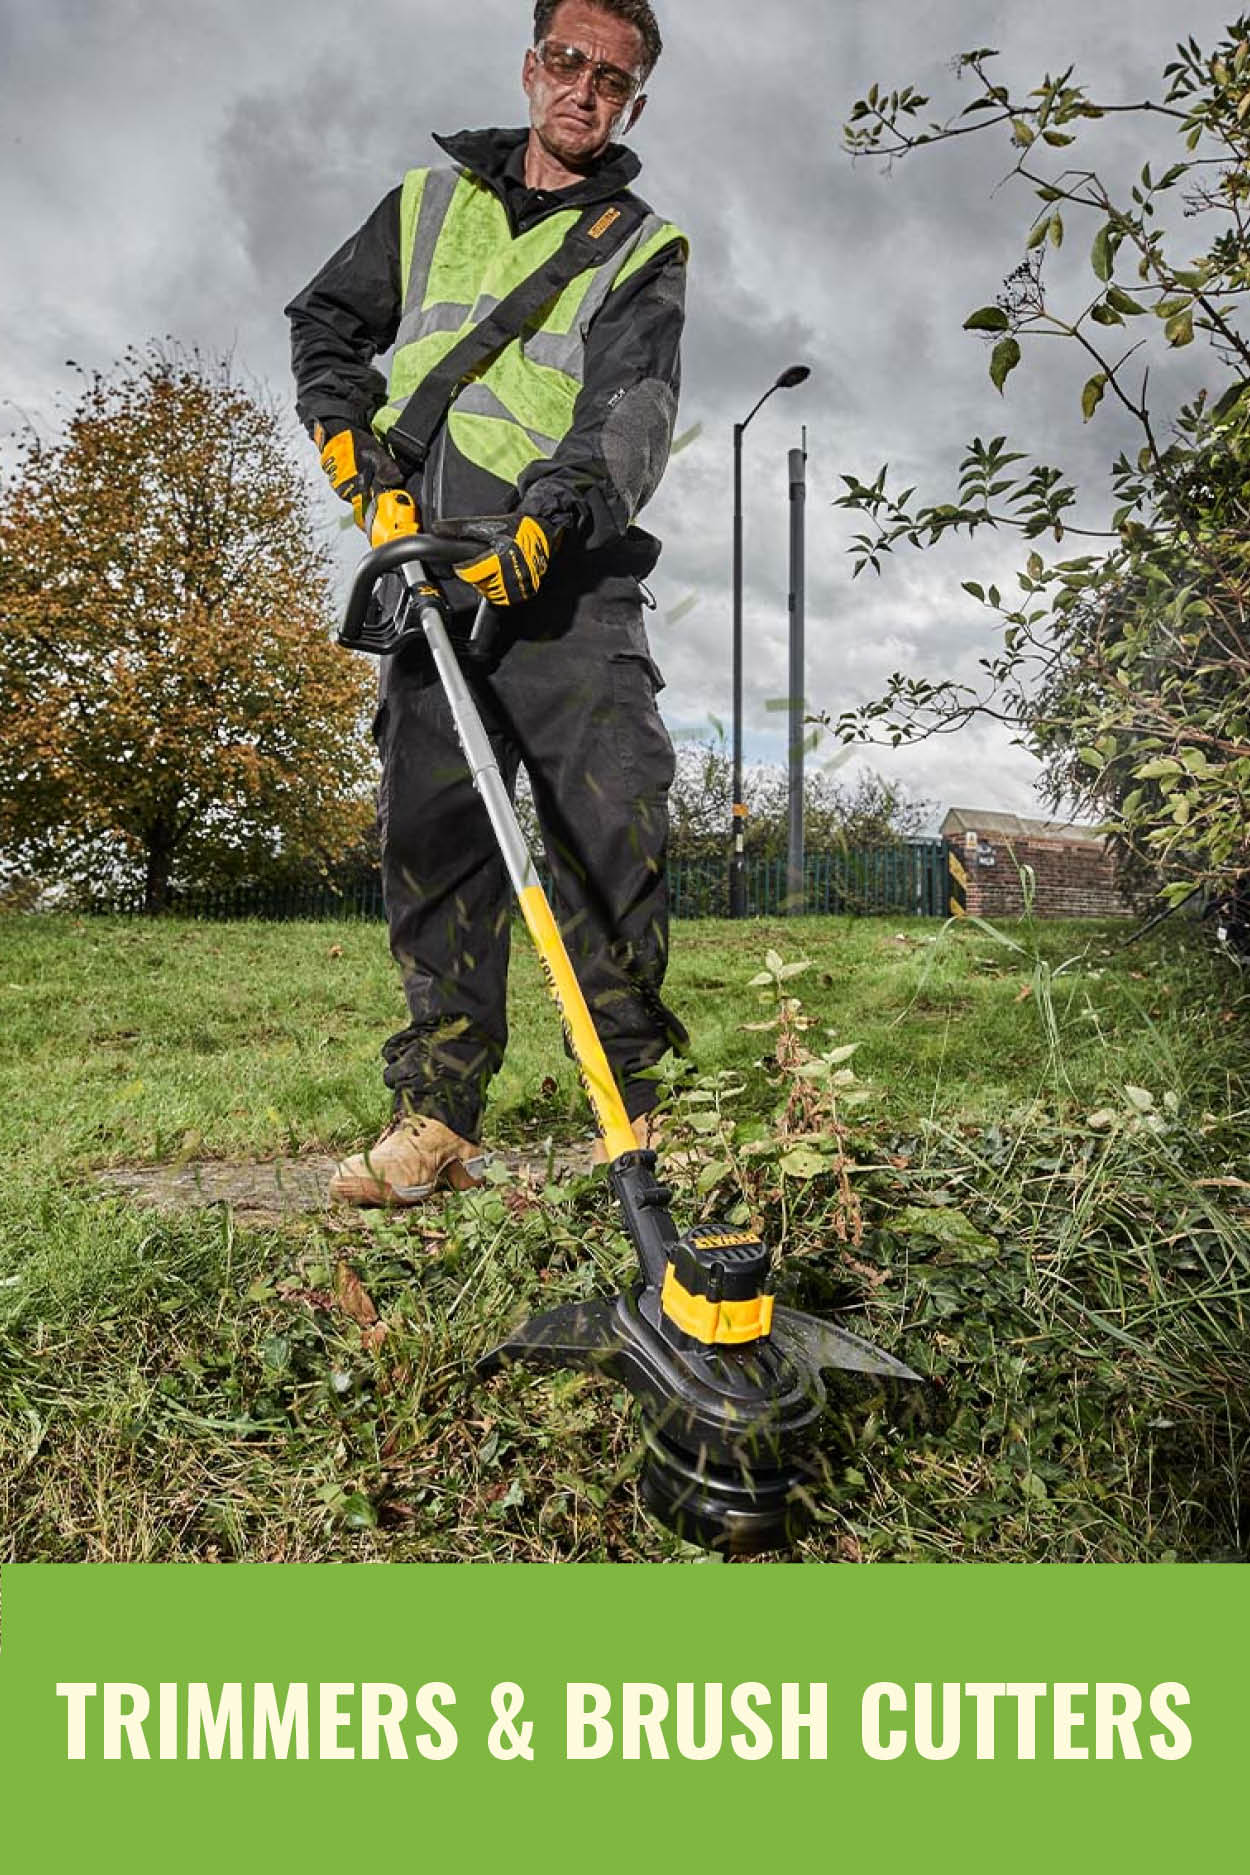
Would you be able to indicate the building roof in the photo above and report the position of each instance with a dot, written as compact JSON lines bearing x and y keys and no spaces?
{"x":985,"y":820}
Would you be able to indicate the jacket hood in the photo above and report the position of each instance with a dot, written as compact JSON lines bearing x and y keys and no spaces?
{"x":488,"y":154}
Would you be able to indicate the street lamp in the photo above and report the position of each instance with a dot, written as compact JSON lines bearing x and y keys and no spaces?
{"x":792,"y":375}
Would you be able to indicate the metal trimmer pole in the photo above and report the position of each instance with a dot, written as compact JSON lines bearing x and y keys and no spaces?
{"x":475,"y":742}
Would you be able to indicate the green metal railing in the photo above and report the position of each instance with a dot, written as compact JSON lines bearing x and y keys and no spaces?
{"x":273,"y":905}
{"x":908,"y":879}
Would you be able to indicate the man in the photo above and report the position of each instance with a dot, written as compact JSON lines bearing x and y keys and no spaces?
{"x":566,"y":432}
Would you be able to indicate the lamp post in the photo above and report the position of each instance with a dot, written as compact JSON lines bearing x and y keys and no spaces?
{"x":792,"y":375}
{"x":794,"y":836}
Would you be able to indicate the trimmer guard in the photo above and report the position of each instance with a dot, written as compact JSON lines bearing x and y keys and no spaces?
{"x":729,"y":1462}
{"x":728,"y":1428}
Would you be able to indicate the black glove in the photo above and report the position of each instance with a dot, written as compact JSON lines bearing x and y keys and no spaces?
{"x":512,"y":571}
{"x":359,"y":469}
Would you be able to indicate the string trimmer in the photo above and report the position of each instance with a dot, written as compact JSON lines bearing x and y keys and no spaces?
{"x":729,"y":1383}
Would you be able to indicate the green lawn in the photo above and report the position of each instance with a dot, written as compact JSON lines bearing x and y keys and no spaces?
{"x":1046,"y":1217}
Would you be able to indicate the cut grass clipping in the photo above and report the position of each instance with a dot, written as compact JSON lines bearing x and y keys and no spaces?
{"x":1016,"y":1158}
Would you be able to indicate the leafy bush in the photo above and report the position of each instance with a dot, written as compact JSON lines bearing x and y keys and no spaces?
{"x":1127,"y":666}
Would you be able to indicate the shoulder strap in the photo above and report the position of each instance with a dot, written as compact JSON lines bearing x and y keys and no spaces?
{"x":602,"y":229}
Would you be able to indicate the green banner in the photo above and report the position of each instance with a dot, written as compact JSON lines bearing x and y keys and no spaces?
{"x":637,"y":1719}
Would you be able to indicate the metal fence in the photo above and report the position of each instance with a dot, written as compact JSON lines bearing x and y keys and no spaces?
{"x":908,"y":879}
{"x":272,"y":904}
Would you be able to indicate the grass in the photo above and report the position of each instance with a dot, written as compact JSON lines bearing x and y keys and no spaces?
{"x":1046,"y":1217}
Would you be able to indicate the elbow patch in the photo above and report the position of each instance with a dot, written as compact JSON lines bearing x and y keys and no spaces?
{"x":635,"y":440}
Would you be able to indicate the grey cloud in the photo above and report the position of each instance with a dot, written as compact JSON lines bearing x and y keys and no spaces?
{"x":300,"y":167}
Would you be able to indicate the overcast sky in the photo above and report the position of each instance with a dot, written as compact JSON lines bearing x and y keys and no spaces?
{"x":172,"y":169}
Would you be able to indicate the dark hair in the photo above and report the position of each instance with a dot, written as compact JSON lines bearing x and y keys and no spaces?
{"x":635,"y":13}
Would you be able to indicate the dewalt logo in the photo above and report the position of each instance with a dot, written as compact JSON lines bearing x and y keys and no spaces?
{"x":604,"y":222}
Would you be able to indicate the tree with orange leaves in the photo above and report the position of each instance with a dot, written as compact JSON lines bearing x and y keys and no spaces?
{"x":174,"y":711}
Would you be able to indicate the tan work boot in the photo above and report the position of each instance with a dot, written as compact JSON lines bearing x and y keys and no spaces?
{"x":411,"y":1160}
{"x":648,"y":1130}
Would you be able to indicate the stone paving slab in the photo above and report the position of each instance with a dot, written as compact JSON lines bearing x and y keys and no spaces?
{"x":285,"y":1187}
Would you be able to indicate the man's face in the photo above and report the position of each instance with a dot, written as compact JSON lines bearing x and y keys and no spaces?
{"x":569,"y":117}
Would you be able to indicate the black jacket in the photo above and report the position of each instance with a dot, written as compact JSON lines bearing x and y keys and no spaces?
{"x":350,"y":313}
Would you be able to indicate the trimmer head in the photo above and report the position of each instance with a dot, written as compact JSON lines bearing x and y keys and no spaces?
{"x":729,"y":1384}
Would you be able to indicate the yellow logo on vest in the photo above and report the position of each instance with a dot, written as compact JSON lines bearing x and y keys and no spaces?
{"x":604,"y":222}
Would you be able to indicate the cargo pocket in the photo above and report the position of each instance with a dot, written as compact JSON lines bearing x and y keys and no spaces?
{"x":643,"y":745}
{"x":377,"y":729}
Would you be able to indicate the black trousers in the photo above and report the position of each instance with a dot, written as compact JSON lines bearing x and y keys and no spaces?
{"x":571,"y":695}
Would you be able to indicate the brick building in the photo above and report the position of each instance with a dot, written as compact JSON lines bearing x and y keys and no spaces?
{"x":1074,"y":871}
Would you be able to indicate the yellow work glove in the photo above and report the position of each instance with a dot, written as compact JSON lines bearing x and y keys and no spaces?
{"x":392,"y":514}
{"x":512,"y":571}
{"x":361,"y":471}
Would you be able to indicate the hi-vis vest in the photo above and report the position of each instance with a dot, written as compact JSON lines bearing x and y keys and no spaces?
{"x":458,"y":259}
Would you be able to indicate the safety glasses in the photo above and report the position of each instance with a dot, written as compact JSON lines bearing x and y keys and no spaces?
{"x":567,"y":63}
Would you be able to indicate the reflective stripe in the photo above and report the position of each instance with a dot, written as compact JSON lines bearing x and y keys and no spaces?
{"x":558,"y":351}
{"x":411,"y":197}
{"x":437,"y":197}
{"x":649,"y":245}
{"x":538,"y":397}
{"x":426,"y":197}
{"x":422,"y":319}
{"x":479,"y":400}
